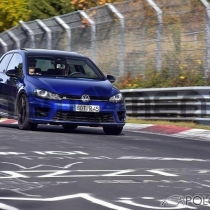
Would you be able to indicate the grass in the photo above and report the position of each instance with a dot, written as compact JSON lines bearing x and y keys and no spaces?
{"x":186,"y":124}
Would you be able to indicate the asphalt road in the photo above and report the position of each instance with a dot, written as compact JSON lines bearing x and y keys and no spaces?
{"x":50,"y":169}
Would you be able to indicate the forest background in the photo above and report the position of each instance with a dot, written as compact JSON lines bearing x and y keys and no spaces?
{"x":11,"y":11}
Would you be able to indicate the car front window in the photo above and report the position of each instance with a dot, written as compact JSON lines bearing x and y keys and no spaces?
{"x":59,"y":66}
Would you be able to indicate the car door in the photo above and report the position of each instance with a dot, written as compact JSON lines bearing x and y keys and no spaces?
{"x":4,"y":62}
{"x":12,"y":84}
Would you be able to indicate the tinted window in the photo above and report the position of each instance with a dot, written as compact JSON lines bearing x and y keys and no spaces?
{"x":4,"y":62}
{"x":55,"y":65}
{"x":44,"y":64}
{"x":16,"y":63}
{"x":80,"y":66}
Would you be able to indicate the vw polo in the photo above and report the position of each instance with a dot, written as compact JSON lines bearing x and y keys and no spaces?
{"x":40,"y":86}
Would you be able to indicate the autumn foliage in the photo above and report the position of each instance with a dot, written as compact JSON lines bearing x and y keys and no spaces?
{"x":86,"y":4}
{"x":11,"y":11}
{"x":153,"y":79}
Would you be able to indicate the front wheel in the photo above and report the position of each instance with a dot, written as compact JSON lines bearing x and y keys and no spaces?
{"x":112,"y":130}
{"x":23,"y":114}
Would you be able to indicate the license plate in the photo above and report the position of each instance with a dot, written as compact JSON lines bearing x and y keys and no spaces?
{"x":87,"y":108}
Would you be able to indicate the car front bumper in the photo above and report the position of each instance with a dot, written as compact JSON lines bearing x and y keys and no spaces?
{"x":60,"y":112}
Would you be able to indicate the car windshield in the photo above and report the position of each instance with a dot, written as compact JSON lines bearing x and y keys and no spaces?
{"x":58,"y":66}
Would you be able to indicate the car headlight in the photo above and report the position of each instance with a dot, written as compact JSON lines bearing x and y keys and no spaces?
{"x":46,"y":94}
{"x":118,"y":98}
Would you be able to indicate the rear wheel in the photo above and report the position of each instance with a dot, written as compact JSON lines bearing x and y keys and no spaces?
{"x":112,"y":130}
{"x":23,"y":114}
{"x":69,"y":127}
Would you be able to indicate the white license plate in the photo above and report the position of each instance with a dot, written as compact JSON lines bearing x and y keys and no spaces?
{"x":87,"y":108}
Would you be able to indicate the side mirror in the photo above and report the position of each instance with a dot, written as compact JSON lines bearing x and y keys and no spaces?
{"x":12,"y":73}
{"x":111,"y":78}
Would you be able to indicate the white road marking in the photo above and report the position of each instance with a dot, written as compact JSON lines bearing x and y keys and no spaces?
{"x":159,"y":171}
{"x":66,"y":155}
{"x":13,"y":175}
{"x":12,"y":153}
{"x":54,"y":174}
{"x":162,"y":186}
{"x":66,"y":197}
{"x":96,"y":158}
{"x":204,"y":171}
{"x":120,"y":172}
{"x":41,"y":165}
{"x":204,"y":185}
{"x":162,"y":158}
{"x":26,"y":194}
{"x":166,"y":181}
{"x":184,"y":188}
{"x":67,"y":173}
{"x":6,"y":207}
{"x":60,"y":153}
{"x":116,"y":181}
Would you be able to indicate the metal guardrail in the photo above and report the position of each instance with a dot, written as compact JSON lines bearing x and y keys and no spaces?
{"x":181,"y":103}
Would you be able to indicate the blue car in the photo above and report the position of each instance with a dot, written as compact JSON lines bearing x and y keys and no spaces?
{"x":39,"y":86}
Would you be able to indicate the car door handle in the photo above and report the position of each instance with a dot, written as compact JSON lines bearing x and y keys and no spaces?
{"x":1,"y":80}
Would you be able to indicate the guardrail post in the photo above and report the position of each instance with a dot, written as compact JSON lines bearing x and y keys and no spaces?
{"x":4,"y":45}
{"x":30,"y":33}
{"x":48,"y":32}
{"x":93,"y":32}
{"x":121,"y":18}
{"x":14,"y":38}
{"x":68,"y":32}
{"x":207,"y":65}
{"x":159,"y":33}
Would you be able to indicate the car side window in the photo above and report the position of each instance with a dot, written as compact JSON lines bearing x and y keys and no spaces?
{"x":16,"y":63}
{"x":5,"y":61}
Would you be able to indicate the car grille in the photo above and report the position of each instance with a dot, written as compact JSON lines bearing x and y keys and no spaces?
{"x":83,"y":117}
{"x":92,"y":98}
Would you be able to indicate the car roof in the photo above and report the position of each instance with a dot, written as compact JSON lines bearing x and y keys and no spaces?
{"x":47,"y":52}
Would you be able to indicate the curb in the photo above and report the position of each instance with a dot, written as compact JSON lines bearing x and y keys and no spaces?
{"x":7,"y":121}
{"x":167,"y":130}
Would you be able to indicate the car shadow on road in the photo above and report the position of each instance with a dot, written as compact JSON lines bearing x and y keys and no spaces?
{"x":59,"y":129}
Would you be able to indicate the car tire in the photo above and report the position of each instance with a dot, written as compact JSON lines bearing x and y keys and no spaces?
{"x":23,"y":114}
{"x":112,"y":130}
{"x":69,"y":127}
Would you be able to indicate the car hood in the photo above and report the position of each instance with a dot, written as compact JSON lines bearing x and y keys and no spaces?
{"x":66,"y":86}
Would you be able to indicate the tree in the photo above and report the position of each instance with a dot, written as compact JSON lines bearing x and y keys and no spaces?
{"x":62,"y":6}
{"x":11,"y":11}
{"x":43,"y":9}
{"x":86,"y":4}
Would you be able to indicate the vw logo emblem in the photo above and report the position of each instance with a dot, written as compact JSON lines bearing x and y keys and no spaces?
{"x":85,"y":98}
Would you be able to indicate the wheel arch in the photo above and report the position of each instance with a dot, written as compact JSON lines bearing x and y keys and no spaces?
{"x":22,"y":92}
